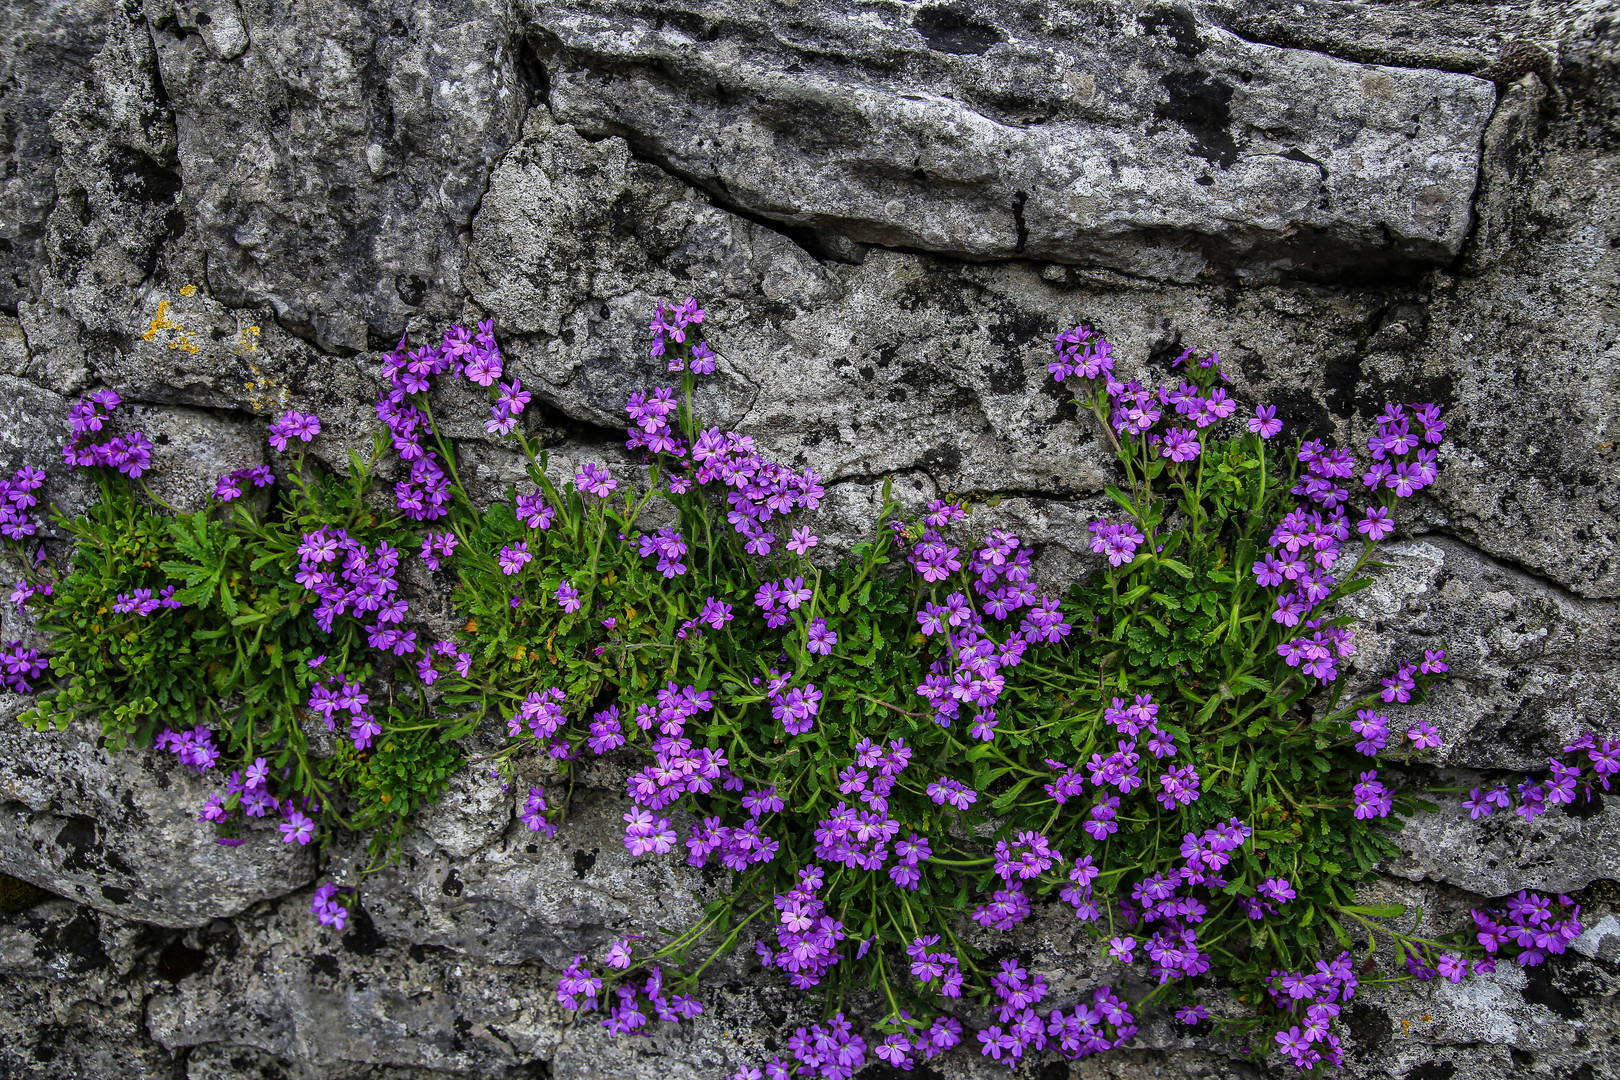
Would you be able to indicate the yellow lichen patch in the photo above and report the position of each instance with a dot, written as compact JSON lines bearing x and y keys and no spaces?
{"x":188,"y":290}
{"x":179,"y":338}
{"x":264,"y":393}
{"x":160,"y":323}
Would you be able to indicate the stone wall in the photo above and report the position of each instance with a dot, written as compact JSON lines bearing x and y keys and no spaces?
{"x":888,"y":209}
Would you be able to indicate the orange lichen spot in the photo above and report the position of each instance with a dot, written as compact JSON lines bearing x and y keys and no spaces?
{"x":179,"y":338}
{"x":160,"y":322}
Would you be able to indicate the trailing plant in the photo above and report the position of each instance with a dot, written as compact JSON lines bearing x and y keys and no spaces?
{"x":882,"y":749}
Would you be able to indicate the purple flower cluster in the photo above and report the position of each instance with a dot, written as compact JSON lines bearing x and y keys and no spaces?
{"x":1005,"y":909}
{"x":759,"y":489}
{"x":795,"y":707}
{"x":130,"y":454}
{"x":669,"y":546}
{"x":806,"y":937}
{"x":1317,"y":994}
{"x":1081,"y":1033}
{"x":294,"y":425}
{"x":16,"y":499}
{"x":327,"y":908}
{"x":534,"y":813}
{"x":352,"y":579}
{"x":1318,"y":655}
{"x":229,"y":487}
{"x":671,"y":325}
{"x":927,"y":966}
{"x":650,"y":430}
{"x":631,"y":1013}
{"x":1307,"y":547}
{"x":338,"y":694}
{"x":833,"y":1052}
{"x":1028,"y":856}
{"x":1372,"y":798}
{"x":1403,"y":459}
{"x":27,"y":590}
{"x":1530,"y":923}
{"x":1117,"y":542}
{"x":19,"y":665}
{"x":195,"y":748}
{"x":969,"y":671}
{"x":577,"y":982}
{"x":900,"y":1050}
{"x":1563,"y":785}
{"x":142,"y":602}
{"x":1083,"y":352}
{"x":738,"y":847}
{"x":541,"y":712}
{"x":425,"y":493}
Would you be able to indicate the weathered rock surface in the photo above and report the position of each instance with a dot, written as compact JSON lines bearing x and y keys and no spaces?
{"x":223,"y":209}
{"x":1142,"y":138}
{"x":118,"y":831}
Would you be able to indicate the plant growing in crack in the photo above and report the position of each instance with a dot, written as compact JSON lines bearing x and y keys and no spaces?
{"x":895,"y":755}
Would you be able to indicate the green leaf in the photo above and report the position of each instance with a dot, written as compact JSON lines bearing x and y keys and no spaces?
{"x":1375,"y":911}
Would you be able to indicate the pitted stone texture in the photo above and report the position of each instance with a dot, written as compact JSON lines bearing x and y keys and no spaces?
{"x":1531,"y":666}
{"x":118,"y":831}
{"x":45,"y":52}
{"x":530,"y":897}
{"x":1141,"y":138}
{"x":278,"y":982}
{"x":67,"y":1007}
{"x":192,"y":449}
{"x":1563,"y":850}
{"x":334,"y":153}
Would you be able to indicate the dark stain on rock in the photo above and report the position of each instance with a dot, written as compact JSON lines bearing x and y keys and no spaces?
{"x":1587,"y":805}
{"x":115,"y":894}
{"x":951,"y":28}
{"x":1370,"y":1026}
{"x":583,"y":861}
{"x":77,"y":942}
{"x":1202,"y":105}
{"x":1175,"y":23}
{"x":362,"y":938}
{"x":325,"y":965}
{"x":1433,"y":1070}
{"x":177,"y":960}
{"x":452,"y":883}
{"x":1538,"y":989}
{"x":78,"y":839}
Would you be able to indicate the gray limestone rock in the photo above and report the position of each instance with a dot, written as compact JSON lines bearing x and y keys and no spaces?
{"x":119,"y":832}
{"x":1144,"y":139}
{"x":224,"y":209}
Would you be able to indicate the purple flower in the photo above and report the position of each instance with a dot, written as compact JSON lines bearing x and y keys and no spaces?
{"x":594,"y":479}
{"x":513,"y":557}
{"x":1180,"y":444}
{"x":1376,"y":525}
{"x":1424,"y":735}
{"x":1121,"y":949}
{"x":294,"y":425}
{"x":297,"y":828}
{"x":1264,"y":422}
{"x":819,"y":639}
{"x":568,"y":597}
{"x":1277,"y":889}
